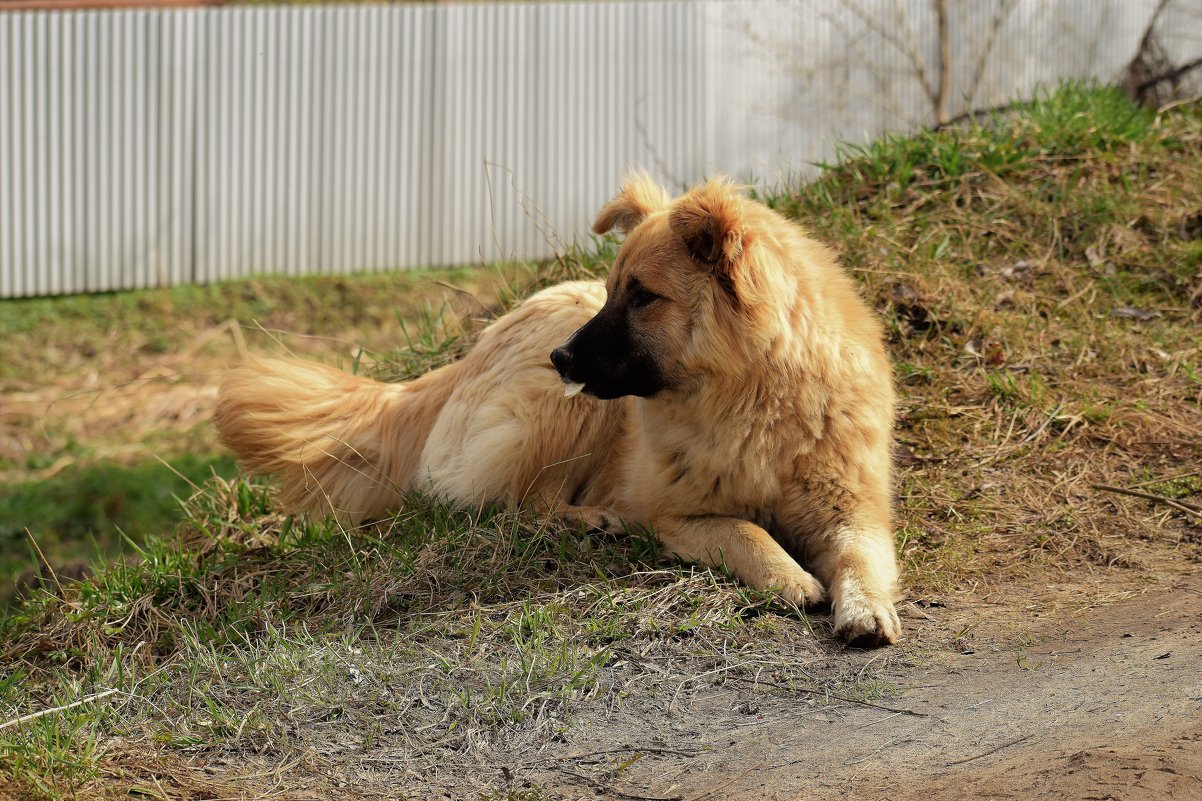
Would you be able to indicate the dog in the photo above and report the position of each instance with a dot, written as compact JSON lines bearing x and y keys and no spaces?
{"x":727,"y":387}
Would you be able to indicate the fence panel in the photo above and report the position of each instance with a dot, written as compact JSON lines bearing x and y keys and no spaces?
{"x":156,"y":147}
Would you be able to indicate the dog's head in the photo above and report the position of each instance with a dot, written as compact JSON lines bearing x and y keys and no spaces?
{"x":680,"y":290}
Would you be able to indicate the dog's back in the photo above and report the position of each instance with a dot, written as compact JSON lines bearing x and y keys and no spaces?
{"x":493,"y":427}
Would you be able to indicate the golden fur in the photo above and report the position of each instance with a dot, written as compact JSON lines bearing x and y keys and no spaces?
{"x":769,"y":443}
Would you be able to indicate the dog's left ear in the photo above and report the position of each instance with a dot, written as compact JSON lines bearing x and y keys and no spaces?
{"x":709,"y":221}
{"x":640,"y":196}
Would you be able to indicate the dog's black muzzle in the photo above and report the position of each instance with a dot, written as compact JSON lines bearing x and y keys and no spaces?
{"x":607,"y":357}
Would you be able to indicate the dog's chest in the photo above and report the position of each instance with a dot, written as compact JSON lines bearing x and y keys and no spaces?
{"x":725,"y":454}
{"x":701,"y":474}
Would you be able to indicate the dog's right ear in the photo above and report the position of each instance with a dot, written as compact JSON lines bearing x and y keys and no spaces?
{"x":640,"y":196}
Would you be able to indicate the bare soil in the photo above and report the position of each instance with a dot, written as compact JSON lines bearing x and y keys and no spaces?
{"x":1048,"y":697}
{"x":1100,"y":702}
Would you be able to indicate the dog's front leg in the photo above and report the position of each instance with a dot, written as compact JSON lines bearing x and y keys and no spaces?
{"x":858,"y":565}
{"x":747,"y":550}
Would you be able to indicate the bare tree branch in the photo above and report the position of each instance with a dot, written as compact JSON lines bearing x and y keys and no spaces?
{"x":945,"y":62}
{"x":862,"y":56}
{"x":1004,"y":9}
{"x":981,"y":113}
{"x":1171,"y":75}
{"x":1146,"y":40}
{"x":1149,"y":59}
{"x":907,"y":45}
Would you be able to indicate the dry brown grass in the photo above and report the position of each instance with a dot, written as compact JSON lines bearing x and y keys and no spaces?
{"x":1045,"y":315}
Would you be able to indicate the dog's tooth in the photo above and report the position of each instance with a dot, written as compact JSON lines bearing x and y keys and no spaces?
{"x":572,"y":390}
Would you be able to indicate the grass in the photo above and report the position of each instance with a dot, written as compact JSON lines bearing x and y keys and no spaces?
{"x":474,"y":628}
{"x":37,"y":335}
{"x":1040,"y":275}
{"x":89,"y":515}
{"x":115,"y":377}
{"x":1041,"y":278}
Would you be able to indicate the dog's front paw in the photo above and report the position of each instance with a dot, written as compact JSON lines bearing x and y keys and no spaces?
{"x":866,"y":623}
{"x":799,"y":587}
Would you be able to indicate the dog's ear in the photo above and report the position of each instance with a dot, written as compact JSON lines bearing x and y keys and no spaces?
{"x":639,"y":197}
{"x":709,"y":221}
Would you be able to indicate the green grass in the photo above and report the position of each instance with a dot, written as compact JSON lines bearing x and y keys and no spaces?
{"x":83,"y":499}
{"x":1040,"y":279}
{"x":90,"y":515}
{"x":254,"y":630}
{"x":165,"y":321}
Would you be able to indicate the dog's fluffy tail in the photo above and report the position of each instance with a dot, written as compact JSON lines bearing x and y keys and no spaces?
{"x":334,"y":442}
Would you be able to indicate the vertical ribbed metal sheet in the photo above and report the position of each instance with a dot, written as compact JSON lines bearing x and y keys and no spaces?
{"x":154,"y":147}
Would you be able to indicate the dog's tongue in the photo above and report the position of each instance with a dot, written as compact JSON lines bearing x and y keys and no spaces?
{"x":571,"y":390}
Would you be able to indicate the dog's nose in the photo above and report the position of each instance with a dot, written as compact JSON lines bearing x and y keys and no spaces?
{"x":562,"y":359}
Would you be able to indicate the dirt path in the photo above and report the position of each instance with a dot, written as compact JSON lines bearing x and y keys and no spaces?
{"x":1103,"y":703}
{"x":1108,"y":704}
{"x":1057,"y":702}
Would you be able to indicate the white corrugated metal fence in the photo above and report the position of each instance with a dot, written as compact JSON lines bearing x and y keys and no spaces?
{"x":153,"y":147}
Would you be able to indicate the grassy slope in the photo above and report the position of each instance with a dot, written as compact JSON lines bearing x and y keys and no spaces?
{"x":42,"y":335}
{"x":92,"y":514}
{"x":1041,"y":279}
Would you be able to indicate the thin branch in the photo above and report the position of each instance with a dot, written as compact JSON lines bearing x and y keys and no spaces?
{"x":725,"y":784}
{"x":908,"y":49}
{"x":613,"y":791}
{"x":641,"y":127}
{"x":990,"y":752}
{"x":845,"y":699}
{"x":46,"y":562}
{"x":1171,"y":75}
{"x":863,"y":56}
{"x":945,"y":62}
{"x":1142,"y":62}
{"x":995,"y":26}
{"x":628,"y":749}
{"x":980,"y":113}
{"x":1181,"y":506}
{"x":1146,"y":39}
{"x":34,"y":715}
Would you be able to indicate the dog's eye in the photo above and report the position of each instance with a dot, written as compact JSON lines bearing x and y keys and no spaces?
{"x":641,"y":297}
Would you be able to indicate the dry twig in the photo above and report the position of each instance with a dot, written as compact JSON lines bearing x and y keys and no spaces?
{"x":990,"y":752}
{"x":825,"y":694}
{"x":35,"y":715}
{"x":1186,"y":508}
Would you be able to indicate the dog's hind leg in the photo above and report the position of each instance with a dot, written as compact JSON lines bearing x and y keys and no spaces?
{"x":593,"y":518}
{"x":745,"y":549}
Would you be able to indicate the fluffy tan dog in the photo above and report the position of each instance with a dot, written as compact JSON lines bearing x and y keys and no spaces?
{"x":736,"y":399}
